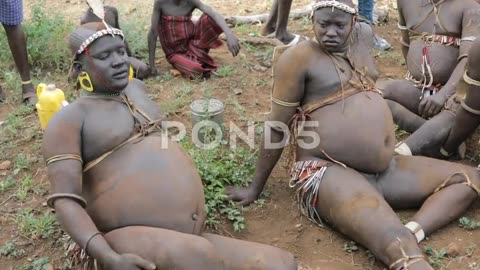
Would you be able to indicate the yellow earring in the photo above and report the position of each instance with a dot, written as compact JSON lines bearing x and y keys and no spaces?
{"x":131,"y":73}
{"x":85,"y":81}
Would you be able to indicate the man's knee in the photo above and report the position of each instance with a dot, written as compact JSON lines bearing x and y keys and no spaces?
{"x":201,"y":250}
{"x":468,"y":176}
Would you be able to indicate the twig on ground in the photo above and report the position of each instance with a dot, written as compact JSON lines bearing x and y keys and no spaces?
{"x":8,"y":199}
{"x":259,"y":41}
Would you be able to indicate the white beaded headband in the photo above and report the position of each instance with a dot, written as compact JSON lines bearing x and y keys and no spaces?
{"x":97,"y":35}
{"x":333,"y":4}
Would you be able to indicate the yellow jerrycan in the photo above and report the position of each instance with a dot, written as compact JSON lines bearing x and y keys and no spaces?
{"x":50,"y":100}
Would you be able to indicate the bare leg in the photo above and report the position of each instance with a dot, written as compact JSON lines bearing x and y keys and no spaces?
{"x":173,"y":250}
{"x":271,"y":23}
{"x":411,"y":182}
{"x":18,"y":47}
{"x":282,"y":21}
{"x":404,"y":118}
{"x":402,"y":92}
{"x":430,"y":136}
{"x":350,"y":203}
{"x":466,"y":122}
{"x":240,"y":255}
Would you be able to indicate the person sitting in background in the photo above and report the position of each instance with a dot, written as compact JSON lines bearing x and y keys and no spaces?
{"x":436,"y":37}
{"x":186,"y":44}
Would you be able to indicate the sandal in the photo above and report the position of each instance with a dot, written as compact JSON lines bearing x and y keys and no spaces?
{"x":29,"y":97}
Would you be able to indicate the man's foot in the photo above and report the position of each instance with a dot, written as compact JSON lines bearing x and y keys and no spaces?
{"x":295,"y":40}
{"x":29,"y":96}
{"x":381,"y":44}
{"x":268,"y":31}
{"x":286,"y":38}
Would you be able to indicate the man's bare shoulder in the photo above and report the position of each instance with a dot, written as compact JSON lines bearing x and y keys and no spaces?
{"x":301,"y":52}
{"x":69,"y":119}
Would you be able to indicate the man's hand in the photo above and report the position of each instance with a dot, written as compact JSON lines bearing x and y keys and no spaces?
{"x":233,"y":44}
{"x":129,"y":262}
{"x":432,"y":105}
{"x":243,"y":196}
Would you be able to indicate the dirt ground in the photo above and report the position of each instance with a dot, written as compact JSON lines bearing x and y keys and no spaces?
{"x":245,"y":90}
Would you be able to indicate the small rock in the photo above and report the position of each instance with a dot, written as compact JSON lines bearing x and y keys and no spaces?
{"x":6,"y":165}
{"x":453,"y":250}
{"x":237,"y":91}
{"x":1,"y":123}
{"x":275,"y":240}
{"x":44,"y":204}
{"x":298,"y":225}
{"x":259,"y":68}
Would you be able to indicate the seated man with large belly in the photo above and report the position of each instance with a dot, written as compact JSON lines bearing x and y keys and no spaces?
{"x":127,"y":198}
{"x":345,"y":172}
{"x":435,"y":37}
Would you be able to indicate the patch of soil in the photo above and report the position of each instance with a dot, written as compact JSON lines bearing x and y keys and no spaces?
{"x":277,"y":222}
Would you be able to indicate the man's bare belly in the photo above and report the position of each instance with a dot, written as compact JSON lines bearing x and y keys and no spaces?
{"x":143,"y":184}
{"x":442,"y":59}
{"x":358,"y":132}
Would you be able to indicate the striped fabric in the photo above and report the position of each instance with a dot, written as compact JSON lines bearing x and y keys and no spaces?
{"x":186,"y":45}
{"x":11,"y":12}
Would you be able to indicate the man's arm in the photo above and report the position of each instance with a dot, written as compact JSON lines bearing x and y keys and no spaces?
{"x":232,"y":41}
{"x":288,"y":87}
{"x":152,"y":36}
{"x":63,"y":137}
{"x":470,"y":31}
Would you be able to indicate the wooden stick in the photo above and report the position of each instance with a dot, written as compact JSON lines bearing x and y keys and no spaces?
{"x":261,"y":18}
{"x":258,"y":41}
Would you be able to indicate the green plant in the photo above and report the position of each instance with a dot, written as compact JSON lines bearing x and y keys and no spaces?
{"x":46,"y":32}
{"x":469,"y":224}
{"x":7,"y":184}
{"x":32,"y":226}
{"x":391,"y":55}
{"x":220,"y":167}
{"x":21,"y":162}
{"x":14,"y":121}
{"x":435,"y":257}
{"x":225,"y":71}
{"x":264,"y":55}
{"x":39,"y":264}
{"x":10,"y":250}
{"x":136,"y":36}
{"x":24,"y":188}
